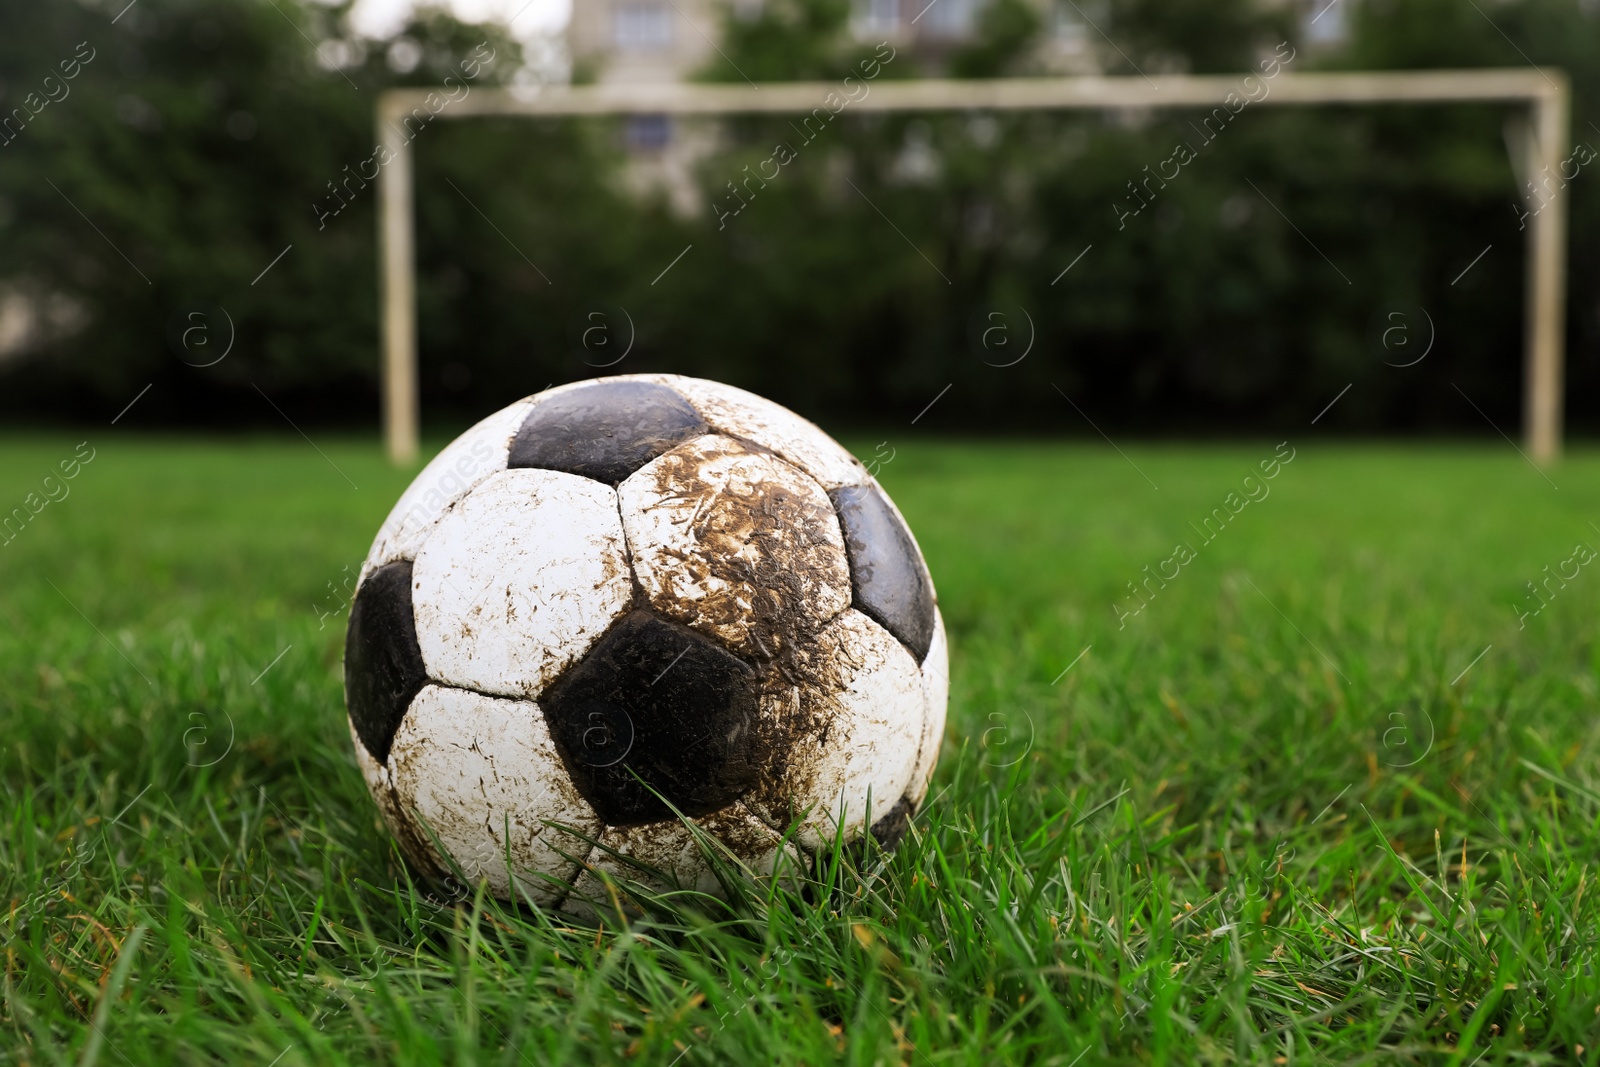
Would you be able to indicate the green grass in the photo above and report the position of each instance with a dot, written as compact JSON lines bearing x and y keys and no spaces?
{"x":1263,"y":821}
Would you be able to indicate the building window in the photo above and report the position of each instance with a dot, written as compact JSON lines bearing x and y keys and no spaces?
{"x":1068,"y":23}
{"x":642,"y":27}
{"x":879,"y":16}
{"x":647,"y":133}
{"x":1324,"y":22}
{"x":951,"y":18}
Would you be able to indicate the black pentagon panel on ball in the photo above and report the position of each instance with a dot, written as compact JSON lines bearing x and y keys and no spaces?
{"x":892,"y":826}
{"x":605,"y":430}
{"x":656,"y":706}
{"x":382,"y":660}
{"x":890,"y":581}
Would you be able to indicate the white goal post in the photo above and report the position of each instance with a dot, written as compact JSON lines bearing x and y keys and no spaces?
{"x":1544,"y":91}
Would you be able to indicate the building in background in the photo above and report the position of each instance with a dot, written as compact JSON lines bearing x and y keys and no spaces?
{"x":1324,"y":23}
{"x":654,"y":42}
{"x":642,"y":41}
{"x":651,"y":42}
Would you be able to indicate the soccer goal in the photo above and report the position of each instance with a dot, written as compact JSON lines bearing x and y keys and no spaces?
{"x":1544,"y":92}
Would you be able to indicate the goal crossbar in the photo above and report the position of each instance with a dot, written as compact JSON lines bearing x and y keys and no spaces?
{"x":1545,"y":92}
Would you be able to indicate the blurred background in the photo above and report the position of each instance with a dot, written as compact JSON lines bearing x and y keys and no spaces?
{"x":1359,"y":720}
{"x":200,"y":139}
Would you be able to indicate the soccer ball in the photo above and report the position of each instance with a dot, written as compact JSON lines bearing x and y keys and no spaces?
{"x":626,"y":604}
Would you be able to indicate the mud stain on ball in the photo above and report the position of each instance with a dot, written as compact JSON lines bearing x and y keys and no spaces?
{"x":738,"y":545}
{"x":847,"y":748}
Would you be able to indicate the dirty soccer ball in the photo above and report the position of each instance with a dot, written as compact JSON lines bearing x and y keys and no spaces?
{"x":629,"y":598}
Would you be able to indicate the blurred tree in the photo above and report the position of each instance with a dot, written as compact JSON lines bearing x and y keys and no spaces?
{"x":786,"y":40}
{"x":867,"y":268}
{"x":189,"y":155}
{"x":856,"y":272}
{"x":1196,"y":36}
{"x":1007,"y":30}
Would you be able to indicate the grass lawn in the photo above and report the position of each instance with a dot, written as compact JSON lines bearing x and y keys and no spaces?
{"x":1291,"y":811}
